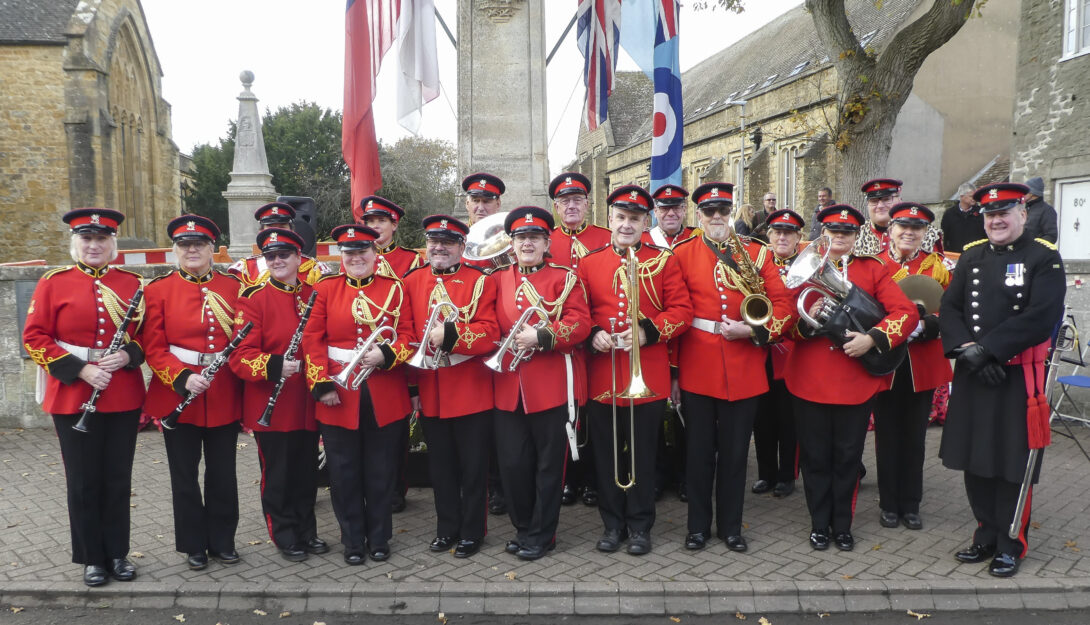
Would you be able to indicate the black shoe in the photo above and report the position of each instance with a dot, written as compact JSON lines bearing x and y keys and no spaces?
{"x":497,"y":504}
{"x":567,"y":496}
{"x":467,"y":548}
{"x":819,"y":540}
{"x":197,"y":561}
{"x":226,"y":557}
{"x":736,"y":543}
{"x":975,"y":553}
{"x":122,"y":570}
{"x":442,"y":543}
{"x":590,"y":496}
{"x":912,"y":521}
{"x":398,"y":504}
{"x":682,"y":493}
{"x":293,"y":553}
{"x":380,"y":553}
{"x":317,"y":546}
{"x":1003,"y":565}
{"x":639,"y":543}
{"x":695,"y":541}
{"x":354,"y":558}
{"x":94,"y":575}
{"x":783,"y":489}
{"x":761,"y":487}
{"x":536,"y":552}
{"x":611,"y":540}
{"x":888,"y":519}
{"x":844,"y":541}
{"x":512,"y":547}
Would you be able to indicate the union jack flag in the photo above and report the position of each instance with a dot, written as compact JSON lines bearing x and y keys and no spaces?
{"x":598,"y":33}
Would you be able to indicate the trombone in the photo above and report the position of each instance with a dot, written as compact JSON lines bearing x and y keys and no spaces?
{"x":518,"y":356}
{"x":637,"y":388}
{"x":426,"y":356}
{"x":344,"y":379}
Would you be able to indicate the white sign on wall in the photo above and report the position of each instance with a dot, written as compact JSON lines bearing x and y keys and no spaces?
{"x":1073,"y":205}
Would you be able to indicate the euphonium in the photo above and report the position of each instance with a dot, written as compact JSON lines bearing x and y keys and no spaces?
{"x":756,"y":308}
{"x":518,"y":356}
{"x":344,"y":379}
{"x":426,"y":356}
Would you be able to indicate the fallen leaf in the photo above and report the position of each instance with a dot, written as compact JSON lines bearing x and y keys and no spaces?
{"x":389,"y":576}
{"x":510,"y":575}
{"x":876,"y":547}
{"x":764,"y":621}
{"x":443,"y":618}
{"x":136,"y":554}
{"x":180,"y":618}
{"x":43,"y":455}
{"x":25,"y":474}
{"x":15,"y":610}
{"x":845,"y":577}
{"x":1069,"y":544}
{"x":285,"y":614}
{"x":919,"y":615}
{"x":261,"y":612}
{"x":157,"y":462}
{"x":675,"y":619}
{"x":822,"y":614}
{"x":1035,"y":525}
{"x":158,"y":535}
{"x":739,"y":616}
{"x":254,"y":542}
{"x":132,"y":505}
{"x":319,"y":622}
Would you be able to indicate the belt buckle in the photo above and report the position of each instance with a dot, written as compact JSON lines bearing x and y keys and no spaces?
{"x":95,"y":355}
{"x":206,"y":359}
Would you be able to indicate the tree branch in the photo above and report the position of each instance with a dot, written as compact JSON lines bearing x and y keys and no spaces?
{"x":910,"y":47}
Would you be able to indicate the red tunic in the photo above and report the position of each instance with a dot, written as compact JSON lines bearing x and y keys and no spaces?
{"x":672,"y":241}
{"x":195,"y":314}
{"x":345,"y":314}
{"x":709,"y":364}
{"x":782,"y":350}
{"x":542,"y":381}
{"x":82,"y":306}
{"x":820,"y":372}
{"x":396,"y":261}
{"x":254,"y":270}
{"x":569,"y":246}
{"x":464,"y":388}
{"x":930,"y":368}
{"x":665,"y":312}
{"x":274,"y":309}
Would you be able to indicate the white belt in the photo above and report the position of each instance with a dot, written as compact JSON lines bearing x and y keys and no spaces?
{"x":86,"y":354}
{"x":343,"y":356}
{"x":707,"y":325}
{"x":193,"y":357}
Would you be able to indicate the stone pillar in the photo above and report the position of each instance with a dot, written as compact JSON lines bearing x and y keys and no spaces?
{"x":251,"y":183}
{"x":501,"y":96}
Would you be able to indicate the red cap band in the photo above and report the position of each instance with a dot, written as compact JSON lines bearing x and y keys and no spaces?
{"x":716,"y":194}
{"x":93,"y":219}
{"x":1002,"y":195}
{"x":192,"y":227}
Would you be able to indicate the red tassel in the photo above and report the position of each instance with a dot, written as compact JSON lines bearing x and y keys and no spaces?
{"x":1038,"y":434}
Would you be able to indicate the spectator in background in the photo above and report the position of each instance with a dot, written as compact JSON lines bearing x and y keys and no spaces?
{"x":749,"y":219}
{"x":1041,"y":217}
{"x":962,"y":223}
{"x":825,"y":199}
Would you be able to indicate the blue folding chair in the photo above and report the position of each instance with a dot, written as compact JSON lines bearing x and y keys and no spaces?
{"x":1067,"y":382}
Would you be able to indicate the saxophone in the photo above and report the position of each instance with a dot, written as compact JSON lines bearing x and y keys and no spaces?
{"x":756,"y":308}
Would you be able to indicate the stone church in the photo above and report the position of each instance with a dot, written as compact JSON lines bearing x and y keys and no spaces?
{"x":82,"y":123}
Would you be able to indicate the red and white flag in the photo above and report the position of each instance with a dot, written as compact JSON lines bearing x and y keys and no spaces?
{"x":598,"y":33}
{"x":419,"y":60}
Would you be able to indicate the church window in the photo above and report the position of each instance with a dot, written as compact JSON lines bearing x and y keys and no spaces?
{"x":789,"y":173}
{"x":1076,"y":28}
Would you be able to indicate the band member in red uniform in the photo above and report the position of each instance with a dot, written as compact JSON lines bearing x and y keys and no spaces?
{"x":73,"y":315}
{"x":721,"y":362}
{"x":831,"y":418}
{"x":671,"y":210}
{"x":288,"y":486}
{"x":774,"y":440}
{"x":881,"y":194}
{"x":901,"y":414}
{"x":456,"y":400}
{"x":361,"y":428}
{"x":568,"y":243}
{"x":575,"y":238}
{"x":178,"y":349}
{"x":536,"y":400}
{"x":254,"y":270}
{"x":665,"y":311}
{"x":383,"y":216}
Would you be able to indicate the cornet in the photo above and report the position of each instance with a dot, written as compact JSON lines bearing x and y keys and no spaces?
{"x":426,"y":356}
{"x":344,"y":379}
{"x":518,"y":356}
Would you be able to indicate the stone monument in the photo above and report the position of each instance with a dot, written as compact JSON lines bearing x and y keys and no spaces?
{"x":501,"y":96}
{"x":251,"y":183}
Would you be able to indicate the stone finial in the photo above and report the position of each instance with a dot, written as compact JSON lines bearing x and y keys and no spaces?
{"x":247,"y":78}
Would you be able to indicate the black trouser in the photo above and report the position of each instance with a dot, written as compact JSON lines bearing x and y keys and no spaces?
{"x":98,"y":471}
{"x":531,"y":449}
{"x":831,"y":439}
{"x":670,"y":462}
{"x":900,"y":431}
{"x":289,"y":485}
{"x":458,"y":465}
{"x":208,"y":523}
{"x":718,"y":434}
{"x":495,"y":479}
{"x":635,"y":508}
{"x":362,"y":463}
{"x":401,"y":481}
{"x":993,"y":501}
{"x":580,"y":473}
{"x":774,"y":437}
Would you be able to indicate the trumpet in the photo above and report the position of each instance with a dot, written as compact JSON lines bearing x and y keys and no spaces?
{"x":495,"y":362}
{"x":344,"y":379}
{"x":426,"y":356}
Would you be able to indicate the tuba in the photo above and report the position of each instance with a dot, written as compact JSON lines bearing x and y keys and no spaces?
{"x":344,"y":379}
{"x":426,"y":356}
{"x":488,"y":241}
{"x":845,"y":307}
{"x":519,"y":356}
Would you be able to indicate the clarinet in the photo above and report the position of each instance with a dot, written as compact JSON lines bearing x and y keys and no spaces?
{"x":171,"y":420}
{"x":293,"y":347}
{"x":115,"y":346}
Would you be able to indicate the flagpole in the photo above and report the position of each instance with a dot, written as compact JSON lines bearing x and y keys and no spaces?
{"x":563,"y":36}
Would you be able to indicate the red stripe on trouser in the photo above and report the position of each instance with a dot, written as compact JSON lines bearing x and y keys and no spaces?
{"x":268,"y":518}
{"x":1023,"y":539}
{"x":855,"y":495}
{"x":796,"y":461}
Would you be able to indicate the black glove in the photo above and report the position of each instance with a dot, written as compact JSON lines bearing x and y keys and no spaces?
{"x":992,"y":373}
{"x":974,"y":357}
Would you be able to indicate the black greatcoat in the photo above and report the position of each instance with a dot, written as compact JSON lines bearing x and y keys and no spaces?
{"x":1007,"y":298}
